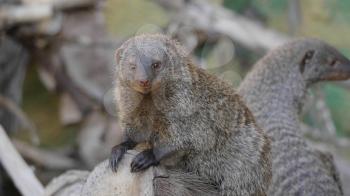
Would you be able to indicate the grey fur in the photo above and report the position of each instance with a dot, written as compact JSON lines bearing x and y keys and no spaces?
{"x":274,"y":90}
{"x":195,"y":114}
{"x":179,"y":183}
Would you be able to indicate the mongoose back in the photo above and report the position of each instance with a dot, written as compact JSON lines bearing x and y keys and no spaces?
{"x":274,"y":91}
{"x":183,"y":111}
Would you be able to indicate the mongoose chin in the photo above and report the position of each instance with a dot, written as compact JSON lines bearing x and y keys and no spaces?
{"x":191,"y":117}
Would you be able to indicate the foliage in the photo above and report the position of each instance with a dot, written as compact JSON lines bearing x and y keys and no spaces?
{"x":124,"y":17}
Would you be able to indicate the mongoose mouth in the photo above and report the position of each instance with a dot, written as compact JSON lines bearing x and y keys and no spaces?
{"x":342,"y":72}
{"x":338,"y":76}
{"x":145,"y":90}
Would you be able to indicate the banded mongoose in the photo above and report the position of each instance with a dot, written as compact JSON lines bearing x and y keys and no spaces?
{"x":183,"y":111}
{"x":274,"y":90}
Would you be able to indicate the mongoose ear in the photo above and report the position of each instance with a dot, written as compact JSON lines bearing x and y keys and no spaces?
{"x":118,"y":55}
{"x":306,"y":59}
{"x":173,"y":46}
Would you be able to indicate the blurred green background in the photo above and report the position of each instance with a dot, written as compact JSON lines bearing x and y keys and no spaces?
{"x":324,"y":19}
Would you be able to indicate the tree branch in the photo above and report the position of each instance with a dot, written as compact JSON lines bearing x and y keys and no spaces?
{"x":21,"y":174}
{"x":22,"y":117}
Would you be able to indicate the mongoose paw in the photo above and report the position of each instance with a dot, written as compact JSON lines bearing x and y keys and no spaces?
{"x":117,"y":154}
{"x":143,"y":160}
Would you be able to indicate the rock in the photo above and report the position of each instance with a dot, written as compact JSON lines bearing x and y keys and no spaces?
{"x":155,"y":181}
{"x":67,"y":184}
{"x":103,"y":182}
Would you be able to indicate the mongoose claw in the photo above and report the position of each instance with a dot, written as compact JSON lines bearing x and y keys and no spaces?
{"x":116,"y":155}
{"x":143,"y":160}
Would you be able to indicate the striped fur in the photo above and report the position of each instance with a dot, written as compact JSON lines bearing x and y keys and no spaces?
{"x":197,"y":114}
{"x":274,"y":91}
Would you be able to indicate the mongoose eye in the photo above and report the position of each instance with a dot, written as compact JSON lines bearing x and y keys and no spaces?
{"x":132,"y":66}
{"x":333,"y":62}
{"x":306,"y":60}
{"x":308,"y":57}
{"x":156,"y":65}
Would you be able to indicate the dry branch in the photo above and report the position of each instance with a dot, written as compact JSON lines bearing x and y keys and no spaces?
{"x":37,"y":11}
{"x":207,"y":17}
{"x":24,"y":13}
{"x":22,"y":117}
{"x":21,"y":174}
{"x":13,"y":61}
{"x":45,"y":158}
{"x":61,"y":4}
{"x":294,"y":16}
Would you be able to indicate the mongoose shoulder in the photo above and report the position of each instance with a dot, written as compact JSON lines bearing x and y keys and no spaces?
{"x":179,"y":108}
{"x":274,"y":90}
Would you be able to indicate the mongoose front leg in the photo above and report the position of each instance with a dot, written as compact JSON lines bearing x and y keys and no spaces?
{"x":143,"y":160}
{"x":149,"y":157}
{"x":118,"y":152}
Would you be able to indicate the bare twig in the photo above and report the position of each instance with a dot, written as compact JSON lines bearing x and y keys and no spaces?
{"x":10,"y":15}
{"x":45,"y":158}
{"x":21,"y":174}
{"x":22,"y":117}
{"x":36,"y":11}
{"x":203,"y":16}
{"x":294,"y":16}
{"x":69,"y":4}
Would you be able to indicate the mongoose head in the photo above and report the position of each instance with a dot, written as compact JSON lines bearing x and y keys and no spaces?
{"x":145,"y":61}
{"x":318,"y":61}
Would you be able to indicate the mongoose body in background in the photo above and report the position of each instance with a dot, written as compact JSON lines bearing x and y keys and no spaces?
{"x":274,"y":91}
{"x":182,"y":110}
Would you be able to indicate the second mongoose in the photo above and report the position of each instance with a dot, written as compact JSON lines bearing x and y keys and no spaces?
{"x":183,"y":111}
{"x":274,"y":90}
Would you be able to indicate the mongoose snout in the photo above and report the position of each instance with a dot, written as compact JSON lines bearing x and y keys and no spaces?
{"x":320,"y":61}
{"x":143,"y":68}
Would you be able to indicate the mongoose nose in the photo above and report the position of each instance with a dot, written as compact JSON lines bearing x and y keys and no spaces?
{"x":144,"y":83}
